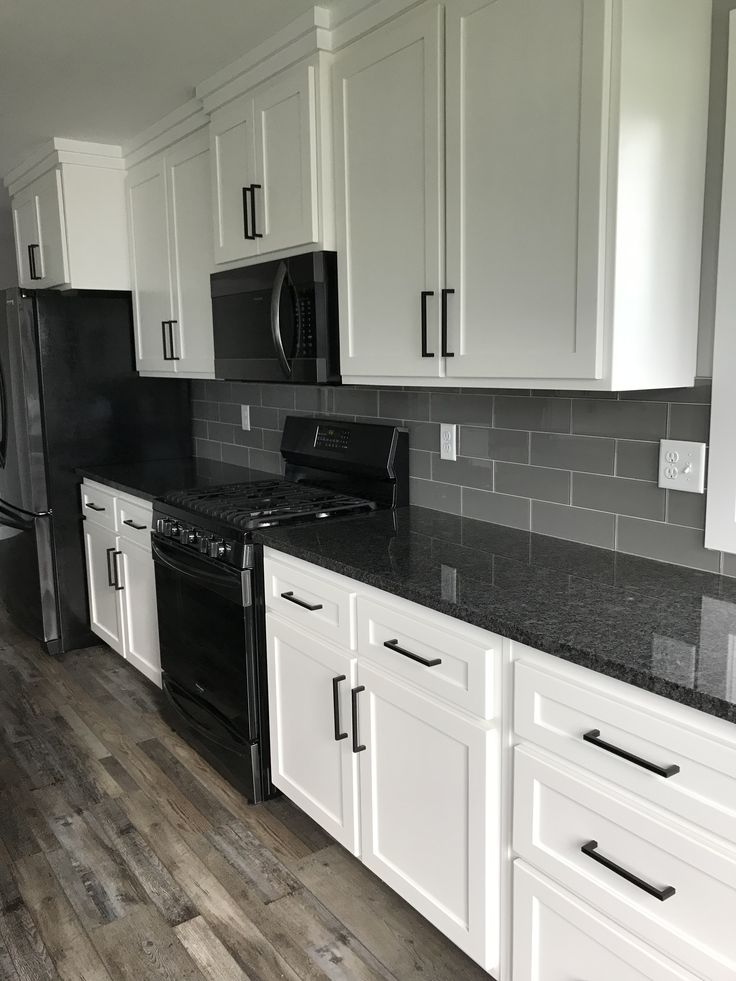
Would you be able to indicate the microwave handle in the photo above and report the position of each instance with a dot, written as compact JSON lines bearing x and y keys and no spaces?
{"x":278,"y":343}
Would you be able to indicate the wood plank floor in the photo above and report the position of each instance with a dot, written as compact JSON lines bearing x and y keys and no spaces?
{"x":124,"y":856}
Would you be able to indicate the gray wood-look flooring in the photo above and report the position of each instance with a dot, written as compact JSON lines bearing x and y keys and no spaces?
{"x":124,"y":856}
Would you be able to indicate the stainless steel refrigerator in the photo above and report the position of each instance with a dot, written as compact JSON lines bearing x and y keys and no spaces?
{"x":69,"y":397}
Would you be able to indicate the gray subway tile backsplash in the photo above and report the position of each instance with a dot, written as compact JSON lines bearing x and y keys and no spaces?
{"x":575,"y":465}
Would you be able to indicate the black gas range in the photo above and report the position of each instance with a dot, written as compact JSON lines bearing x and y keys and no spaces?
{"x":209,"y":580}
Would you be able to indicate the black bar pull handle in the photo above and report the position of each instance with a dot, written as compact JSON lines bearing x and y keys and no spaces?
{"x":354,"y":699}
{"x":131,"y":524}
{"x":336,"y":706}
{"x":445,"y":352}
{"x":110,"y":575}
{"x":246,"y":230}
{"x":118,"y":585}
{"x":590,"y":849}
{"x":32,"y":268}
{"x":393,"y":645}
{"x":164,"y":324}
{"x":662,"y":771}
{"x":305,"y":606}
{"x":425,"y":352}
{"x":172,"y":347}
{"x":252,"y":190}
{"x":94,"y":507}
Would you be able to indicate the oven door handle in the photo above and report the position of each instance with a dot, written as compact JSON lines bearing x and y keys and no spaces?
{"x":278,"y":342}
{"x":200,"y":575}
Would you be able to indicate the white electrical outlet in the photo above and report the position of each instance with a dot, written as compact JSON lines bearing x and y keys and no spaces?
{"x":682,"y":466}
{"x":245,"y":416}
{"x":448,"y":441}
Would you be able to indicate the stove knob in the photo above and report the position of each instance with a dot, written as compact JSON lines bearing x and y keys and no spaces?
{"x":171,"y":529}
{"x":216,"y":549}
{"x":186,"y":536}
{"x":204,"y":544}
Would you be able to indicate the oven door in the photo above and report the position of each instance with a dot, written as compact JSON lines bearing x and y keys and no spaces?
{"x":208,"y":645}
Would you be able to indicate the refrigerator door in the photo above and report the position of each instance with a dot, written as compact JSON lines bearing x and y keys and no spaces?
{"x":27,"y":580}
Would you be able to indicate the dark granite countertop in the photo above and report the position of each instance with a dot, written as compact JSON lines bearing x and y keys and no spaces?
{"x":152,"y":478}
{"x":660,"y":627}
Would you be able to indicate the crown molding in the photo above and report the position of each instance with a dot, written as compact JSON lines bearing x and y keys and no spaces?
{"x":165,"y":132}
{"x":58,"y":151}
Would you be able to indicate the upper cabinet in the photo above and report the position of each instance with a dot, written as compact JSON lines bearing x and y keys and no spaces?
{"x":519,"y":193}
{"x":68,"y":206}
{"x":169,"y":217}
{"x":269,"y":171}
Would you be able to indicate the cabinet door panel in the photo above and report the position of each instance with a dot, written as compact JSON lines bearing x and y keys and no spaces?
{"x":427,"y":830}
{"x":104,"y":603}
{"x":139,"y":606}
{"x":286,"y":164}
{"x":558,"y":938}
{"x":313,"y":768}
{"x":25,"y":221}
{"x":190,"y":224}
{"x":51,"y":230}
{"x":389,"y":195}
{"x":149,"y":244}
{"x":525,"y":97}
{"x":233,"y":168}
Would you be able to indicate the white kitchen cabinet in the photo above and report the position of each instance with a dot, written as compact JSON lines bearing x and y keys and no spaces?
{"x":388,"y":113}
{"x":268,"y":166}
{"x":68,"y":206}
{"x":121,"y":581}
{"x":171,"y":258}
{"x":572,"y":227}
{"x":559,"y":938}
{"x":428,"y":808}
{"x":312,"y":761}
{"x":105,"y":614}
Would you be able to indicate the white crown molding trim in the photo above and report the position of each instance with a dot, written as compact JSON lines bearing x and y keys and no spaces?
{"x":353,"y":18}
{"x":165,"y":132}
{"x":62,"y":151}
{"x":301,"y":38}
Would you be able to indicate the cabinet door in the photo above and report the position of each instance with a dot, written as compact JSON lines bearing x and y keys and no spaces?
{"x":54,"y":266}
{"x":190,"y":236}
{"x":558,"y":938}
{"x":286,"y":203}
{"x":388,"y":97}
{"x":103,"y":565}
{"x":525,"y":174}
{"x":25,"y":223}
{"x":149,"y":247}
{"x":426,"y":777}
{"x":309,"y":763}
{"x":233,"y":171}
{"x":140,"y":618}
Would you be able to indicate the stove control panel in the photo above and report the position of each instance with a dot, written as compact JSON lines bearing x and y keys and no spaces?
{"x":212,"y":546}
{"x":332,"y":438}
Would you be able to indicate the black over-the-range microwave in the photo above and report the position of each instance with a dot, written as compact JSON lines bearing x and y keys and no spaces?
{"x":276,"y":321}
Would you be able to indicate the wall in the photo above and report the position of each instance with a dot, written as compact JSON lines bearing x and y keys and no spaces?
{"x":578,"y":466}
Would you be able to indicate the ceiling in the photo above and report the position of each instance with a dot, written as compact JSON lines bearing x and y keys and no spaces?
{"x":104,"y":70}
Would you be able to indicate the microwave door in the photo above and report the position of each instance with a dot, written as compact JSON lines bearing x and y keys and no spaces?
{"x":282,"y":280}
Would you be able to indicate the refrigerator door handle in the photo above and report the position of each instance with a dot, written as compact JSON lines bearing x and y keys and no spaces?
{"x":13,"y":511}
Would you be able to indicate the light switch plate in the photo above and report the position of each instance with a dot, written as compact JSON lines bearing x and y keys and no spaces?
{"x":682,"y":466}
{"x":448,"y":441}
{"x":245,"y":416}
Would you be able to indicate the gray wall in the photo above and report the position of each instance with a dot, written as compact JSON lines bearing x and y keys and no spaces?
{"x":578,"y":466}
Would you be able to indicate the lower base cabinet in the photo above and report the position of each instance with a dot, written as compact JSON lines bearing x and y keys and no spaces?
{"x":558,"y":938}
{"x":105,"y":616}
{"x":424,"y":819}
{"x":140,"y":616}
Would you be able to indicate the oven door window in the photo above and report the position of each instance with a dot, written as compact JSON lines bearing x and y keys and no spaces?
{"x":207,"y":642}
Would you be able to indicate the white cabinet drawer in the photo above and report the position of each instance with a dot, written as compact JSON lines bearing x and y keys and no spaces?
{"x":134,"y":521}
{"x":568,"y":824}
{"x":319,"y":601}
{"x":98,"y":505}
{"x":452,"y":660}
{"x":558,"y":938}
{"x":557,"y":709}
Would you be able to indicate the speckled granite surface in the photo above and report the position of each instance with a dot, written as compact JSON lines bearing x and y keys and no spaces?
{"x":150,"y":479}
{"x":660,"y":627}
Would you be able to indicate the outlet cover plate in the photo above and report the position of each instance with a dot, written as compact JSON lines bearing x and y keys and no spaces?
{"x":448,"y":441}
{"x":245,"y":416}
{"x":682,"y":466}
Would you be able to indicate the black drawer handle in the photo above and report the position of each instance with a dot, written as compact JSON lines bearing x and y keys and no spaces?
{"x":131,"y":524}
{"x":336,"y":706}
{"x":393,"y":645}
{"x":354,"y":698}
{"x":305,"y":606}
{"x":662,"y":771}
{"x":589,"y":849}
{"x":94,"y":507}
